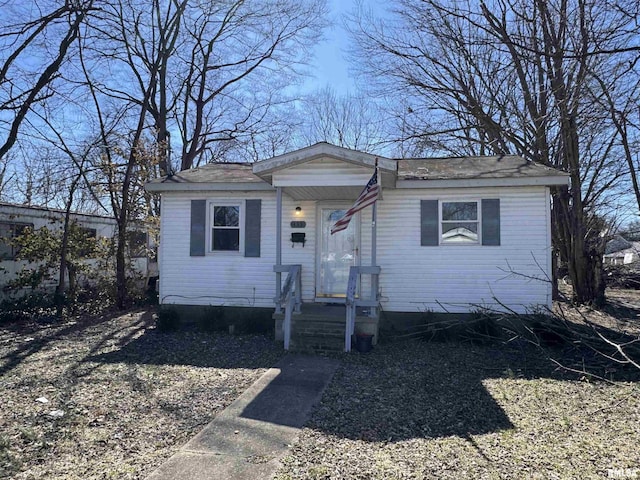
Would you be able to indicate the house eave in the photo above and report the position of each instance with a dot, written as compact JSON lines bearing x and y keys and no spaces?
{"x":208,"y":187}
{"x":546,"y":181}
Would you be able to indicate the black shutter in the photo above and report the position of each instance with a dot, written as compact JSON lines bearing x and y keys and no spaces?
{"x":198,"y":227}
{"x":429,"y":220}
{"x":491,"y":221}
{"x":252,"y":228}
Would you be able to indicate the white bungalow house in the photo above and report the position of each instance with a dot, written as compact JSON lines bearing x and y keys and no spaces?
{"x":450,"y":234}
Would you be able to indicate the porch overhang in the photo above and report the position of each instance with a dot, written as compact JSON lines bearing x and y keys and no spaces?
{"x":346,"y":192}
{"x":340,"y":170}
{"x":320,"y":150}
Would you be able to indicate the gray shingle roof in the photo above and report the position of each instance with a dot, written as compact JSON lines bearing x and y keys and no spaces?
{"x":455,"y":168}
{"x":214,"y":173}
{"x":507,"y":166}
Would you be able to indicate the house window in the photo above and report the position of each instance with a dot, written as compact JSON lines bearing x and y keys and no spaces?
{"x":88,"y":237}
{"x":225,"y":228}
{"x":137,"y":240}
{"x":89,"y":232}
{"x":9,"y":231}
{"x":459,"y":223}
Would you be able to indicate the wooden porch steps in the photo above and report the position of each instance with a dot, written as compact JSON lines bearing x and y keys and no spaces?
{"x":313,"y":333}
{"x":318,"y":328}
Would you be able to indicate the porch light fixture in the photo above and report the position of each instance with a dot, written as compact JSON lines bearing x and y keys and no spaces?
{"x":298,"y":211}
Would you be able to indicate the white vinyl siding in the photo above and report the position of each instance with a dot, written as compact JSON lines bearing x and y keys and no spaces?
{"x":296,"y":254}
{"x":453,"y":278}
{"x":323,"y":173}
{"x":460,"y":278}
{"x":218,"y":278}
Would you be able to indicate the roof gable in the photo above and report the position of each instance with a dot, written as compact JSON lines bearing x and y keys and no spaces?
{"x":265,"y":168}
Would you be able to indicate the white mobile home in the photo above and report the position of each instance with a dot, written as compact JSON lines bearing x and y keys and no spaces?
{"x":15,"y":218}
{"x":451,"y":234}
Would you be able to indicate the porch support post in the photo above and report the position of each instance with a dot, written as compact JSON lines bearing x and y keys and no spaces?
{"x":373,"y":311}
{"x":373,"y":234}
{"x":278,"y":247}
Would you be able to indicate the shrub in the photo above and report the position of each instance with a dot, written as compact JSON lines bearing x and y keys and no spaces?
{"x":252,"y":321}
{"x":212,"y":319}
{"x":482,"y":328}
{"x":168,"y":320}
{"x":32,"y":306}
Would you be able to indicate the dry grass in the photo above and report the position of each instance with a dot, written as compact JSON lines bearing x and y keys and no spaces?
{"x":422,"y":410}
{"x":412,"y":410}
{"x":130,"y":396}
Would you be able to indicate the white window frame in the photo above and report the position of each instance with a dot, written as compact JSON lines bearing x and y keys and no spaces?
{"x":13,"y":226}
{"x":478,"y":221}
{"x":240,"y":204}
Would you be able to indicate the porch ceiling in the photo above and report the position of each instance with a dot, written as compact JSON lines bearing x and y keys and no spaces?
{"x":323,"y":193}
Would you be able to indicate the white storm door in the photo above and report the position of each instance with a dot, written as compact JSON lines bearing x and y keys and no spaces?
{"x":336,"y":253}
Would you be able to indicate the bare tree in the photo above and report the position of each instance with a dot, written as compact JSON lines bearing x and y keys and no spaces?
{"x":184,"y":68}
{"x":348,"y":121}
{"x":136,"y":71}
{"x":24,"y":41}
{"x":241,"y":56}
{"x":516,"y":76}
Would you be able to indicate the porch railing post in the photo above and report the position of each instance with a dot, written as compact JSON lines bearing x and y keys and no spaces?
{"x":298,"y":306}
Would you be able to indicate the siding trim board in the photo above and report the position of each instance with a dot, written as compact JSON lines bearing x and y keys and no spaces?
{"x":209,"y":187}
{"x":483,"y":182}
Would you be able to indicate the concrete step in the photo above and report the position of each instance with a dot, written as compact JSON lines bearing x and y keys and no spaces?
{"x":316,"y":325}
{"x":309,"y":332}
{"x":316,"y":344}
{"x":318,"y":318}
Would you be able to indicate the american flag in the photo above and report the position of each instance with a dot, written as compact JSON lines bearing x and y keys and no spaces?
{"x":368,"y":197}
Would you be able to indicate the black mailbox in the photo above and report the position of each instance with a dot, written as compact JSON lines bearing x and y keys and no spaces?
{"x":298,"y":237}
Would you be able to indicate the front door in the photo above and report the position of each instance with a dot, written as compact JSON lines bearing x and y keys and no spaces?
{"x":336,"y":253}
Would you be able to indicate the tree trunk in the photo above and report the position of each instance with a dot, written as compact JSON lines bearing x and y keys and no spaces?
{"x":555,"y":293}
{"x":58,"y":296}
{"x":73,"y":287}
{"x":121,"y":260}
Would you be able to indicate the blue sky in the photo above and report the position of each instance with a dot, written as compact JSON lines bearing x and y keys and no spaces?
{"x":330,"y":65}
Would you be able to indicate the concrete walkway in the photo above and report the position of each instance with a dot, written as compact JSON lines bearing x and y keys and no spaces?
{"x":247,"y":439}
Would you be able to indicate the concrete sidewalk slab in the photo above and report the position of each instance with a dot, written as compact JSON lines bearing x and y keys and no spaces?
{"x":247,"y":439}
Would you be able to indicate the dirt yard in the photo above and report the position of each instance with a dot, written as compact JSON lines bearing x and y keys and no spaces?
{"x":418,"y":410}
{"x":110,"y":397}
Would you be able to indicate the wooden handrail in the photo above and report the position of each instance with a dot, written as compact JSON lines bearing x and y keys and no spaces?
{"x":290,"y":298}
